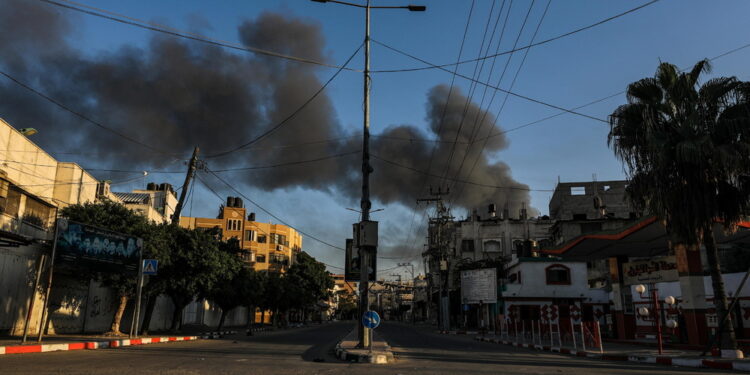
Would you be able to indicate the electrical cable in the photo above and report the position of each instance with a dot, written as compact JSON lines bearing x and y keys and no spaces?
{"x":454,"y":179}
{"x":112,"y":16}
{"x":500,"y":111}
{"x":524,"y":47}
{"x":197,"y":176}
{"x":537,"y":101}
{"x":289,"y":163}
{"x":290,"y":116}
{"x":80,"y":115}
{"x":412,"y":235}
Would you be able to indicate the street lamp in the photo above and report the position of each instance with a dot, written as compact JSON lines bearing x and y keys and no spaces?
{"x":364,"y":334}
{"x":656,"y":316}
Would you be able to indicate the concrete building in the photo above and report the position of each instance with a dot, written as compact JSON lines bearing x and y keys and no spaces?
{"x":268,"y":247}
{"x":549,"y":290}
{"x":157,"y":203}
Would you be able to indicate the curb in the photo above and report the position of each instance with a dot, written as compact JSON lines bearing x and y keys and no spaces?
{"x":380,"y":358}
{"x":658,"y":360}
{"x":92,"y":345}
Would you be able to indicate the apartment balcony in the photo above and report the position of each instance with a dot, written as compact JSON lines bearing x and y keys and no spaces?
{"x":17,"y":226}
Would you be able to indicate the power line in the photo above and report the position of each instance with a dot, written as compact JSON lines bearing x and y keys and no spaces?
{"x":299,"y":162}
{"x":492,"y":87}
{"x":505,"y":100}
{"x":270,"y":213}
{"x":80,"y":115}
{"x":112,"y":16}
{"x":290,"y":116}
{"x":197,"y":176}
{"x":473,"y":85}
{"x":412,"y":239}
{"x":524,"y":47}
{"x":86,"y":169}
{"x":455,"y":179}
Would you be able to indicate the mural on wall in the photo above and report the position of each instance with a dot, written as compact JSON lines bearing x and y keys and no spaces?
{"x":84,"y":245}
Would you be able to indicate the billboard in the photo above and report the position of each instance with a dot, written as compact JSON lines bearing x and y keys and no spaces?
{"x":649,"y":271}
{"x":479,"y":286}
{"x":85,"y":245}
{"x":352,"y":265}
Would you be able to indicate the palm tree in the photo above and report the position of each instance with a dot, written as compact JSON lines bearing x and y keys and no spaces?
{"x":686,"y":149}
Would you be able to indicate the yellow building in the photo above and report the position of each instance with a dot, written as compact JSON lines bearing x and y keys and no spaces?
{"x":268,"y":247}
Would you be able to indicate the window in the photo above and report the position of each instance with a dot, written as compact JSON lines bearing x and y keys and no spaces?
{"x":246,"y":256}
{"x":579,"y":216}
{"x":250,"y":235}
{"x":279,"y":239}
{"x":492,"y":246}
{"x":260,"y":258}
{"x":261,"y":238}
{"x":557,"y":274}
{"x":467,"y":246}
{"x":515,"y":278}
{"x":577,"y":190}
{"x":234,"y":224}
{"x":36,"y":212}
{"x":12,"y":202}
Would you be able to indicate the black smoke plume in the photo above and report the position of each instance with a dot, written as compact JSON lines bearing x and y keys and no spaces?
{"x":174,"y":94}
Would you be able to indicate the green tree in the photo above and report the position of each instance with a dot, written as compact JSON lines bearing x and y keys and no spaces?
{"x":308,"y":282}
{"x":117,"y":218}
{"x":195,"y":266}
{"x":685,"y":147}
{"x":230,"y":287}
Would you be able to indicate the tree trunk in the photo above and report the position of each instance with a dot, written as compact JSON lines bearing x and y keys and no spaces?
{"x":250,"y":316}
{"x":150,"y":306}
{"x":176,"y":315}
{"x":118,"y":315}
{"x":221,"y":320}
{"x":728,"y":340}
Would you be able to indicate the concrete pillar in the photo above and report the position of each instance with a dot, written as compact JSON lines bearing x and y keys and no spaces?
{"x":622,"y":298}
{"x":693,"y":293}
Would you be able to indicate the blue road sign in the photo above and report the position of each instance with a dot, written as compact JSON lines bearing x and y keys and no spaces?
{"x":371,"y":319}
{"x":150,"y":266}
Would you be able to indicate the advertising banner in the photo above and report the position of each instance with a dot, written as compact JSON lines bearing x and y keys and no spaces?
{"x":352,"y":265}
{"x":479,"y":286}
{"x":649,"y":271}
{"x":84,"y":245}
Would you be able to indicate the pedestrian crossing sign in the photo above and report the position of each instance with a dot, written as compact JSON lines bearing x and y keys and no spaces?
{"x":150,"y":266}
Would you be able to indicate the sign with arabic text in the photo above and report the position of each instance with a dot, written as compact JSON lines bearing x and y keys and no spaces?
{"x":649,"y":271}
{"x":85,"y":245}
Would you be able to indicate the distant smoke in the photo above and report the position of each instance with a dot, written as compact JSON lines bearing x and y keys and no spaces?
{"x":175,"y":94}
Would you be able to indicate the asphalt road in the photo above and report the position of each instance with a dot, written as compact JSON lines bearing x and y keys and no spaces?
{"x":418,"y":351}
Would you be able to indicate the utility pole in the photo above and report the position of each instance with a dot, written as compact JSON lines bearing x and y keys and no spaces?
{"x":440,"y":250}
{"x":365,"y":252}
{"x":185,"y":186}
{"x":413,"y":291}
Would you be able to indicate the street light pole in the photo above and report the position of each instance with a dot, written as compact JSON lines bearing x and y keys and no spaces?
{"x":365,"y":204}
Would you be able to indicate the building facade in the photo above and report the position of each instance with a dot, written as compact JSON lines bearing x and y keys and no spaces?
{"x":267,"y":247}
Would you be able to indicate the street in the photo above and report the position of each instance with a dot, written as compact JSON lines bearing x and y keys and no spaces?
{"x":418,"y":350}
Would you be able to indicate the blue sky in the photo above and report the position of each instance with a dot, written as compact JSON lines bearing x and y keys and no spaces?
{"x":568,"y":72}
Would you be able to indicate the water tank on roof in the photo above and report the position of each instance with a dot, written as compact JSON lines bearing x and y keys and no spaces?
{"x":230,"y":201}
{"x":251,"y":216}
{"x":167,"y":187}
{"x":151,"y":186}
{"x":238,"y":202}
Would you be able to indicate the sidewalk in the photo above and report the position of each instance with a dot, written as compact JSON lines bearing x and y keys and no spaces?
{"x":633,"y":353}
{"x":380,"y":354}
{"x":12,"y":345}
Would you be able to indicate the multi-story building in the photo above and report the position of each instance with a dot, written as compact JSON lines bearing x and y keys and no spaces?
{"x":268,"y":247}
{"x":157,"y":203}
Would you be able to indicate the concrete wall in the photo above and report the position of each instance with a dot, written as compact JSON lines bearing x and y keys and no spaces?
{"x":577,"y":198}
{"x":534,"y":282}
{"x":17,"y":272}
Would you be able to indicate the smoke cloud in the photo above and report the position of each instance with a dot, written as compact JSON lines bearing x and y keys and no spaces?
{"x":175,"y":94}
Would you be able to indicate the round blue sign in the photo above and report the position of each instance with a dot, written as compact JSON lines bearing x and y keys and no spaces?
{"x":371,"y":319}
